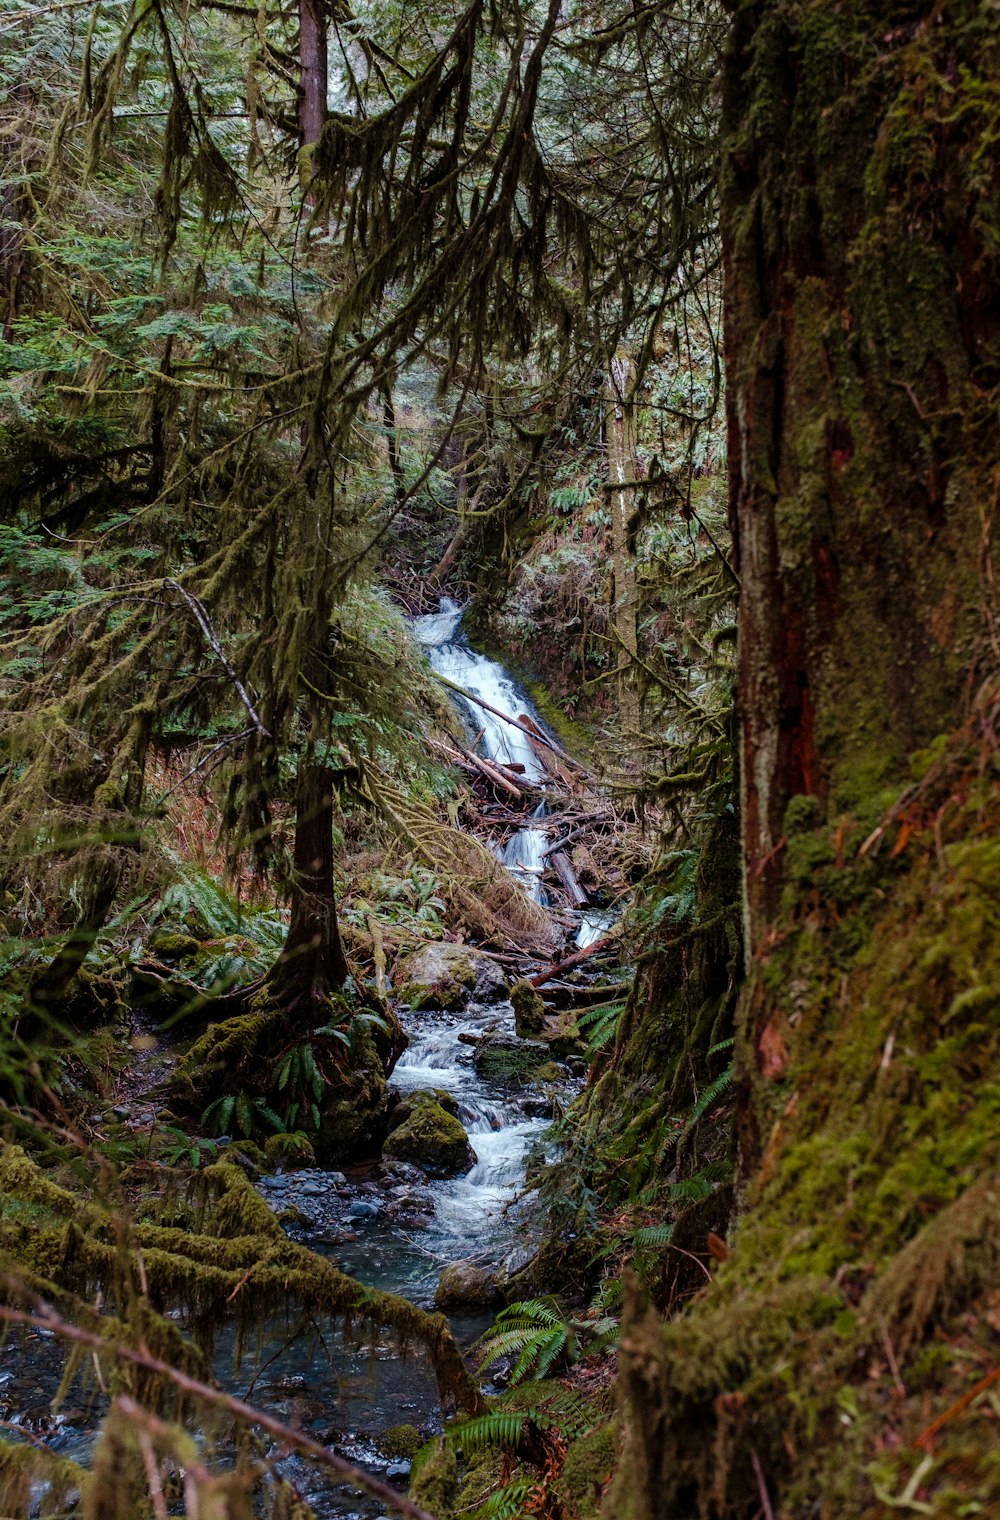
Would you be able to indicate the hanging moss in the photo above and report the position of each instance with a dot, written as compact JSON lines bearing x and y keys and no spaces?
{"x":237,"y":1267}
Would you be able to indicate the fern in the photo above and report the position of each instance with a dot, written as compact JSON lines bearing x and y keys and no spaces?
{"x":653,"y":1235}
{"x":708,"y":1096}
{"x":599,"y":1025}
{"x":497,"y":1430}
{"x":511,"y":1500}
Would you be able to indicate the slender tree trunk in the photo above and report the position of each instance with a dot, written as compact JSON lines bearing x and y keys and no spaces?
{"x":622,"y":471}
{"x":313,"y":71}
{"x":312,"y":963}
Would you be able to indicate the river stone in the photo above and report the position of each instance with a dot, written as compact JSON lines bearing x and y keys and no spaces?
{"x":503,"y":1057}
{"x":529,"y":1009}
{"x":448,"y":976}
{"x":431,"y":1137}
{"x":409,"y":1101}
{"x":466,"y":1282}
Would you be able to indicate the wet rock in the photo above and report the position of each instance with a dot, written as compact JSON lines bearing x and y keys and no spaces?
{"x":401,"y":1171}
{"x":466,"y":1283}
{"x":170,"y":946}
{"x":399,"y":1441}
{"x":529,"y":1009}
{"x":359,"y":1209}
{"x":431,"y":1137}
{"x":538,"y":1107}
{"x":397,"y":1470}
{"x":503,"y":1057}
{"x":449,"y":976}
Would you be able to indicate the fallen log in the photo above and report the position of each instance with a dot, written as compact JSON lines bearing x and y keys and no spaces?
{"x":557,"y":749}
{"x":564,"y":870}
{"x":558,"y":967}
{"x":547,"y":758}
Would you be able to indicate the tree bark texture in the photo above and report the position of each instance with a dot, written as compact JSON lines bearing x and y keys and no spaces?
{"x":313,"y":71}
{"x":861,"y":218}
{"x":312,"y":963}
{"x":861,"y":323}
{"x":622,"y":473}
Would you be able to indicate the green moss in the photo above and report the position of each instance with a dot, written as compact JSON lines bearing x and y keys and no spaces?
{"x":171,"y":945}
{"x":875,"y":1218}
{"x":433,"y":1138}
{"x":288,"y":1150}
{"x":586,"y":1469}
{"x":399,"y":1441}
{"x":529,"y":1009}
{"x":434,"y":1479}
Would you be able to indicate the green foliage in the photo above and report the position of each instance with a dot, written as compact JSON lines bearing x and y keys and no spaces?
{"x":598,"y":1025}
{"x":542,"y":1337}
{"x":244,"y":1112}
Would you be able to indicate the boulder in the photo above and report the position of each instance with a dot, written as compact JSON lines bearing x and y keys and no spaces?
{"x":409,"y":1101}
{"x":430,"y":1136}
{"x":529,"y":1009}
{"x":466,"y":1283}
{"x":448,"y":976}
{"x":504,"y":1058}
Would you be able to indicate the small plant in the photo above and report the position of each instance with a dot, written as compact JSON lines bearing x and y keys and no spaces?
{"x":536,"y":1331}
{"x":240,"y":1111}
{"x":190,"y":1148}
{"x":599,"y":1025}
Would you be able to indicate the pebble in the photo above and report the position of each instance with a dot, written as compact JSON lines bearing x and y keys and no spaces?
{"x":361,"y":1210}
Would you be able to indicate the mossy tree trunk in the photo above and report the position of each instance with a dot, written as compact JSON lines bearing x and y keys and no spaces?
{"x":312,"y":964}
{"x":861,"y":334}
{"x":860,"y":214}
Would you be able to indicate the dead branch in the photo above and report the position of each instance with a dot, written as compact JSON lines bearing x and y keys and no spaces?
{"x":45,"y":1318}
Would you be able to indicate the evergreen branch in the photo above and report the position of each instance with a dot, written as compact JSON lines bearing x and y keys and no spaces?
{"x":205,"y":624}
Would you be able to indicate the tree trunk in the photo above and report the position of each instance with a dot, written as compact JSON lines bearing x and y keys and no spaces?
{"x":862,"y":334}
{"x":312,"y":964}
{"x":860,"y":327}
{"x":622,"y":473}
{"x":313,"y":69}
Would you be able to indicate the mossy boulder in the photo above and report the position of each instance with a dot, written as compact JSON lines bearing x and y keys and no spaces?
{"x":448,"y":976}
{"x":529,"y":1009}
{"x":406,"y":1105}
{"x":427,"y":1134}
{"x":288,"y":1150}
{"x":399,"y":1441}
{"x":503,"y":1057}
{"x":466,"y":1283}
{"x":172,"y":945}
{"x":434,"y":1479}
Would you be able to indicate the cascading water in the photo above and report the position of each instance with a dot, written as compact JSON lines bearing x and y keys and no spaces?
{"x":502,"y":740}
{"x":389,"y":1233}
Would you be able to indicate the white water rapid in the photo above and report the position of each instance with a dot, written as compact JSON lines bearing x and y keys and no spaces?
{"x":502,"y":739}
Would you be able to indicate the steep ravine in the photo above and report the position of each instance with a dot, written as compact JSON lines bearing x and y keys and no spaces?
{"x":387,"y":1224}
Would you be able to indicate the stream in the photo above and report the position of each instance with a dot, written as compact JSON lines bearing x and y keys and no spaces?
{"x":388,"y":1226}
